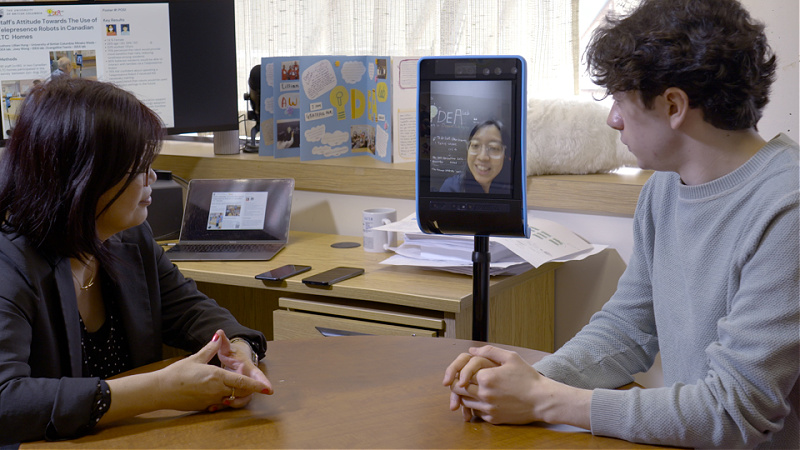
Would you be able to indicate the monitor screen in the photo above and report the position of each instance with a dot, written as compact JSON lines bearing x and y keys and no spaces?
{"x":164,"y":52}
{"x":471,"y":137}
{"x":458,"y":109}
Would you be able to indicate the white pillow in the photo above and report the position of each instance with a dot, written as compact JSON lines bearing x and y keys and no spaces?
{"x":571,"y":137}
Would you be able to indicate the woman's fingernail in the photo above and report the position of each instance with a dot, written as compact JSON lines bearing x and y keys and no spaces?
{"x":215,"y":338}
{"x":226,"y":402}
{"x":265,"y":391}
{"x":212,"y":408}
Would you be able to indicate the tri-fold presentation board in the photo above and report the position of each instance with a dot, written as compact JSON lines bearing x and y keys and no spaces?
{"x":322,"y":107}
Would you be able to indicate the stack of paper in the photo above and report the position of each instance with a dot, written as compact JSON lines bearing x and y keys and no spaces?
{"x":549,"y":241}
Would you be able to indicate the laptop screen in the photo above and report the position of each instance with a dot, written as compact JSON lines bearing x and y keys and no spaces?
{"x":238,"y":210}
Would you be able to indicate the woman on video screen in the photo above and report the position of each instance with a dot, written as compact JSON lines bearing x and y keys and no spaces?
{"x":487,"y":169}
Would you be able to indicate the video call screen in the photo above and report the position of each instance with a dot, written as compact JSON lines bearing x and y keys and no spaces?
{"x":471,"y":155}
{"x":456,"y":109}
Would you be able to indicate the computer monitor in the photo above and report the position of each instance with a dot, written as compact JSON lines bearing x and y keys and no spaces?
{"x":177,"y":56}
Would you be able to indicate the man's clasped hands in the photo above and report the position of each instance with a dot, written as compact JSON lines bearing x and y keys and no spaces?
{"x":498,"y":386}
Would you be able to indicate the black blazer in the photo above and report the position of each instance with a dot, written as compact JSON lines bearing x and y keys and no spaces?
{"x":42,"y":392}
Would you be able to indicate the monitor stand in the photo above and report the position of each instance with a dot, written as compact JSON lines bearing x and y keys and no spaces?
{"x":226,"y":142}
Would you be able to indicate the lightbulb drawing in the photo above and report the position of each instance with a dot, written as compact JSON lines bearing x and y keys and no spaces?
{"x":339,"y":99}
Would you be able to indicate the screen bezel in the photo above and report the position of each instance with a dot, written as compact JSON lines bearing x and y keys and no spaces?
{"x":480,"y":214}
{"x":204,"y":76}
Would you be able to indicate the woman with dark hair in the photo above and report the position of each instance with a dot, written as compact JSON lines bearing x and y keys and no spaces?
{"x":486,"y":171}
{"x":87,"y":293}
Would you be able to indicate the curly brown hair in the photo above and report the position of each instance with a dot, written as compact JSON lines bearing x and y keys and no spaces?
{"x":711,"y":49}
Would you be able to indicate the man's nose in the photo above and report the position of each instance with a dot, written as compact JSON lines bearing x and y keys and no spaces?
{"x":614,"y":119}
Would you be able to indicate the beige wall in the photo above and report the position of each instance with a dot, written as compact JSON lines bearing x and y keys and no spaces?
{"x":781,"y":18}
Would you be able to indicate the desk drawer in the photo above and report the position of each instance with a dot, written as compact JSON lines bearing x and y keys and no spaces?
{"x":300,"y":325}
{"x":360,"y":310}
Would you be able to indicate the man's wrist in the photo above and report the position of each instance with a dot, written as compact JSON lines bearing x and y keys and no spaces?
{"x":569,"y":405}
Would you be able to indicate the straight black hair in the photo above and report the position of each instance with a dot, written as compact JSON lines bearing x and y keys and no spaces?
{"x":74,"y":140}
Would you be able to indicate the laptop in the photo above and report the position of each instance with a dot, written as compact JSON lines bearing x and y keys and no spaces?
{"x":234,"y":220}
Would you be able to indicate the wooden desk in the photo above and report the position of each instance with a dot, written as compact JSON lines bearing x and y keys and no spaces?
{"x":342,"y":392}
{"x":389,"y":299}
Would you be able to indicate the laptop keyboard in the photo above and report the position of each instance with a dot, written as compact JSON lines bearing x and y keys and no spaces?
{"x":221,"y":248}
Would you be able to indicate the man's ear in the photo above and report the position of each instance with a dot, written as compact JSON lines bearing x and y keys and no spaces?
{"x":678,"y":106}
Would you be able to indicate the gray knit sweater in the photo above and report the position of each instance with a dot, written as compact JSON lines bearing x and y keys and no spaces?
{"x":713,"y":285}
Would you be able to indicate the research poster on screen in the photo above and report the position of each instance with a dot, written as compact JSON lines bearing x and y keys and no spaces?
{"x":125,"y":44}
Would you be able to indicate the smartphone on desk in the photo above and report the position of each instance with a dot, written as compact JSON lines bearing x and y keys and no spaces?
{"x":332,"y":276}
{"x":283,"y":272}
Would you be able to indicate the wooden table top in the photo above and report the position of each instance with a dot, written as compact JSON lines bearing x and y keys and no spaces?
{"x":343,"y":392}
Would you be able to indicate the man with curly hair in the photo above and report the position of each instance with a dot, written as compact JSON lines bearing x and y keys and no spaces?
{"x":713,"y":280}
